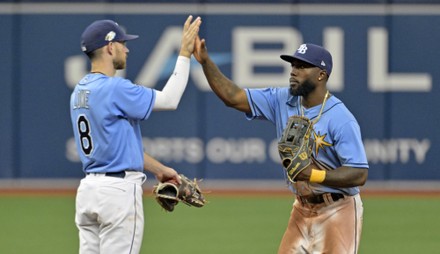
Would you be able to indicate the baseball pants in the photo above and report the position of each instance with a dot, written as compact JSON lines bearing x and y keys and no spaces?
{"x":330,"y":227}
{"x":109,"y":213}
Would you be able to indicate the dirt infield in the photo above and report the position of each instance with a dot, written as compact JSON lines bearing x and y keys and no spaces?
{"x":223,"y":188}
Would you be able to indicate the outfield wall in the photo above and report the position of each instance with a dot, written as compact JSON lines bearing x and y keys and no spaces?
{"x":385,"y":70}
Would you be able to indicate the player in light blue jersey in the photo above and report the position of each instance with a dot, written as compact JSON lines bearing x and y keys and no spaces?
{"x":106,"y":112}
{"x":327,"y":213}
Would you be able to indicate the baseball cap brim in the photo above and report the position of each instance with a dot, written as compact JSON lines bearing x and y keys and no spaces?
{"x":290,"y":59}
{"x":128,"y":37}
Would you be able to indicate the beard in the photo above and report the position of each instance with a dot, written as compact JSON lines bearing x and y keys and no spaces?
{"x":303,"y":90}
{"x":119,"y":64}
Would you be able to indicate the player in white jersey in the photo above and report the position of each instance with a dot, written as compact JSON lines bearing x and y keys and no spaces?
{"x":327,"y":212}
{"x":106,"y":112}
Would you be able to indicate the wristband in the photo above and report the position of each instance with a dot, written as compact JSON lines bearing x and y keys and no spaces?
{"x":317,"y":176}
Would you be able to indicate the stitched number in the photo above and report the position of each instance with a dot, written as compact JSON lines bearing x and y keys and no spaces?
{"x":84,"y":134}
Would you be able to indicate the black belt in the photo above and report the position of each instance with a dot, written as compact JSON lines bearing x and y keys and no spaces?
{"x":318,"y":199}
{"x":120,"y":174}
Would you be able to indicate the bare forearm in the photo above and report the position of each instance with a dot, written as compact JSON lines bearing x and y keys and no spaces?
{"x":220,"y":84}
{"x":152,"y":165}
{"x":346,"y":177}
{"x":342,"y":177}
{"x":231,"y":94}
{"x":162,"y":172}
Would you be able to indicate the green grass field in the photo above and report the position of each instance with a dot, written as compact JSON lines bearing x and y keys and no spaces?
{"x":228,"y":224}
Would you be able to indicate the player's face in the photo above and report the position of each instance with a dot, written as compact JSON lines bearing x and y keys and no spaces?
{"x":301,"y":78}
{"x":120,"y":60}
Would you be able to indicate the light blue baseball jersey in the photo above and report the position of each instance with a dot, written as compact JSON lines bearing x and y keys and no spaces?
{"x":337,"y":135}
{"x":106,"y":114}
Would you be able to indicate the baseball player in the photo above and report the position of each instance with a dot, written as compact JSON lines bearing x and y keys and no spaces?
{"x":327,"y":212}
{"x":106,"y":112}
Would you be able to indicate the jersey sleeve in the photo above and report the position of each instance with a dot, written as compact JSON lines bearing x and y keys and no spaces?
{"x":262,"y":103}
{"x":349,"y":146}
{"x":133,"y":101}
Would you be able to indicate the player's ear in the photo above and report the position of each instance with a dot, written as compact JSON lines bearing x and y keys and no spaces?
{"x":322,"y":75}
{"x":110,"y":48}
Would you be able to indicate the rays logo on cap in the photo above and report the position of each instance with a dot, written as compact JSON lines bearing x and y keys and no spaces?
{"x":110,"y":36}
{"x":302,"y":49}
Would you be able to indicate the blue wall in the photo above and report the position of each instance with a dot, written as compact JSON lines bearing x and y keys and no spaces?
{"x":386,"y":71}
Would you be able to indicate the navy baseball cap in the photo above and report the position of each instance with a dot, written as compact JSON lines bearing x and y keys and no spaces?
{"x":100,"y":33}
{"x":312,"y":54}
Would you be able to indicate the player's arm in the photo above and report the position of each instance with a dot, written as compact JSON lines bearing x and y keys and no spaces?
{"x":162,"y":172}
{"x":231,"y":94}
{"x":350,"y":149}
{"x":169,"y":97}
{"x":342,"y":177}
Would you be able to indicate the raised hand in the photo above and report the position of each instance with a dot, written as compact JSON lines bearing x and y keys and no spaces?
{"x":190,"y":32}
{"x":201,"y":51}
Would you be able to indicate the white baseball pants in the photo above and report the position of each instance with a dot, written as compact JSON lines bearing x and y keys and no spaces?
{"x":109,"y":213}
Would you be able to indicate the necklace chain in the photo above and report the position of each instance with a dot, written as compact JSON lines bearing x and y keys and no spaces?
{"x":320,"y":111}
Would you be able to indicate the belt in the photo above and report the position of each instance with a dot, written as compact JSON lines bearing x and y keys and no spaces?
{"x":120,"y":174}
{"x":318,"y":199}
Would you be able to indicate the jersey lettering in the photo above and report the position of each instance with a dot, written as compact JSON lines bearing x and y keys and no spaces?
{"x":82,"y":99}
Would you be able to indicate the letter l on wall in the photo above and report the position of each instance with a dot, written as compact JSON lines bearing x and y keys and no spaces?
{"x":379,"y":80}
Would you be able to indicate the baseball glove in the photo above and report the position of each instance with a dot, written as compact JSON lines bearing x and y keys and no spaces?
{"x":169,"y":194}
{"x":295,"y":146}
{"x":166,"y":195}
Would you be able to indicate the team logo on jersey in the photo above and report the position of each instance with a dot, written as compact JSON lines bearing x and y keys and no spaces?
{"x":320,"y":142}
{"x":110,"y":36}
{"x":302,"y":49}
